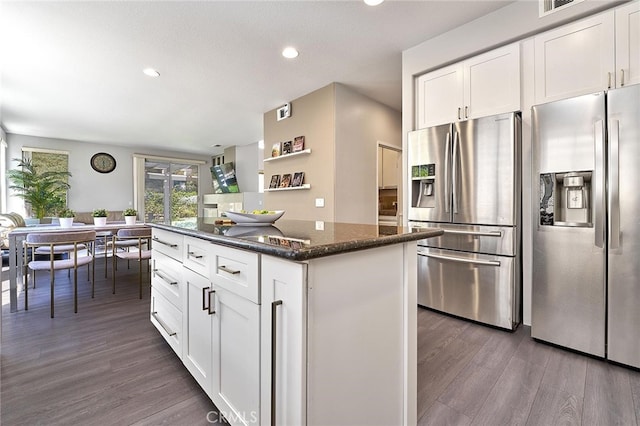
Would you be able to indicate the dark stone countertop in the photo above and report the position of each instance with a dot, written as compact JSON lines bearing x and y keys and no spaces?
{"x":299,"y":240}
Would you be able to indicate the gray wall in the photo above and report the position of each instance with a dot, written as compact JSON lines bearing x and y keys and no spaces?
{"x":89,"y":189}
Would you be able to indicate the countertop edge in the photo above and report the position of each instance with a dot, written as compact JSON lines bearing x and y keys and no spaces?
{"x":304,"y":254}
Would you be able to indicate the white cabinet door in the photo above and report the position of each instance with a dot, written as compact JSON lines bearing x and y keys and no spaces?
{"x":492,"y":82}
{"x":197,"y":323}
{"x":628,"y":44}
{"x":390,"y":163}
{"x":575,"y":59}
{"x":380,"y":167}
{"x":440,"y":96}
{"x":236,"y":358}
{"x":284,"y":309}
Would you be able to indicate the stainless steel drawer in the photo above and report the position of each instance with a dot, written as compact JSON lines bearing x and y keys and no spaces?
{"x":500,"y":240}
{"x":479,"y":287}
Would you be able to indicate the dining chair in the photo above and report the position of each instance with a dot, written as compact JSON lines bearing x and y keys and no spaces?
{"x":78,"y":245}
{"x":142,"y":237}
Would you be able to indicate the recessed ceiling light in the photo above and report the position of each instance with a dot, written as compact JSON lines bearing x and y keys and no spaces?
{"x":373,"y":2}
{"x":290,"y":52}
{"x":151,"y":72}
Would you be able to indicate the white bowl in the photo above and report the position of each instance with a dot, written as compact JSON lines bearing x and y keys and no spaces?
{"x":254,"y":219}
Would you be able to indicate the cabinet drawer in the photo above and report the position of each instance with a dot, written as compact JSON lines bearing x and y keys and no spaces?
{"x":236,"y":271}
{"x":168,"y":320}
{"x":167,"y":278}
{"x":196,"y":255}
{"x":168,"y":243}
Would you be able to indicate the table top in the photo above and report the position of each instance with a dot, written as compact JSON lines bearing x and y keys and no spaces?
{"x":110,"y":226}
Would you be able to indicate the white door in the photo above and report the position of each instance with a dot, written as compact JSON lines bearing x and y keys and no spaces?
{"x":628,"y":44}
{"x":575,"y":59}
{"x":236,"y":357}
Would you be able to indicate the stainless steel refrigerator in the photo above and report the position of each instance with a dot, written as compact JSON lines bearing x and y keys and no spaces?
{"x":586,"y":239}
{"x":465,"y":179}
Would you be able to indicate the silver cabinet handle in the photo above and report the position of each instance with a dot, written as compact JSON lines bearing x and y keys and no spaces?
{"x":614,"y":185}
{"x":454,"y":170}
{"x":274,"y":343}
{"x":459,"y":110}
{"x":598,"y":181}
{"x":211,"y":310}
{"x":621,"y":77}
{"x":204,"y":298}
{"x":462,"y":260}
{"x":164,"y":278}
{"x":475,"y":233}
{"x":228,"y":270}
{"x":447,"y":155}
{"x":163,"y":325}
{"x":466,"y":112}
{"x":156,"y":240}
{"x":608,"y":80}
{"x":193,"y":254}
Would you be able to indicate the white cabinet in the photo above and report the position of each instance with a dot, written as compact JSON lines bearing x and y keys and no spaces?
{"x":484,"y":85}
{"x":628,"y":44}
{"x":575,"y":59}
{"x":388,"y":175}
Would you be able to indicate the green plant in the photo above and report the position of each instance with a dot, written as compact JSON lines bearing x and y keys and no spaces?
{"x":99,"y":213}
{"x":129,"y":212}
{"x":44,"y":192}
{"x":66,"y":212}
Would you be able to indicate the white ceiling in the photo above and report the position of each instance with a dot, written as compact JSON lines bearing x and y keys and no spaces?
{"x":73,"y":70}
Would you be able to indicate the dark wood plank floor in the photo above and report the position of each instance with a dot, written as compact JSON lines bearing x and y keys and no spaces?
{"x":107,"y":365}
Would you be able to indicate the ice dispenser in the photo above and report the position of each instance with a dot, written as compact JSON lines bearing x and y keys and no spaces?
{"x":565,"y":199}
{"x":423,"y":186}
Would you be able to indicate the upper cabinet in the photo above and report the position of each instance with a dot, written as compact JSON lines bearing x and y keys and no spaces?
{"x":484,"y":85}
{"x":388,"y":168}
{"x":591,"y":55}
{"x":628,"y":44}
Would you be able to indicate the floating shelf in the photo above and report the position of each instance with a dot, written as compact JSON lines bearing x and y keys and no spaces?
{"x":289,"y":188}
{"x":293,"y":154}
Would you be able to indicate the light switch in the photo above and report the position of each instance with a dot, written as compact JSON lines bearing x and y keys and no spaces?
{"x":319,"y":202}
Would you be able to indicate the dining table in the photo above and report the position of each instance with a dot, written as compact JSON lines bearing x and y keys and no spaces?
{"x":18,"y":235}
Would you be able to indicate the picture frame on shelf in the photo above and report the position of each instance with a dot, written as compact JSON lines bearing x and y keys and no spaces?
{"x":285,"y":181}
{"x":298,"y":178}
{"x":298,"y":144}
{"x":275,"y":181}
{"x":287,"y":147}
{"x":275,"y":150}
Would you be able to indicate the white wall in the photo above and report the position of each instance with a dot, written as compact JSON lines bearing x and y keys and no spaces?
{"x":89,"y":189}
{"x":517,"y":21}
{"x":246,"y":171}
{"x":360,"y":124}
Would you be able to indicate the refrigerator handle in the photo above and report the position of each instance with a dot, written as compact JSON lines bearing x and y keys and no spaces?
{"x":454,"y":173}
{"x":614,"y":182}
{"x":599,"y":183}
{"x":447,"y":185}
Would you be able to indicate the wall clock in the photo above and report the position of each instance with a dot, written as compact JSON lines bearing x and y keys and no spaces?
{"x":103,"y":162}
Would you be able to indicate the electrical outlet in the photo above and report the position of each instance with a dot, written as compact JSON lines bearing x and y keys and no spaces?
{"x":319,"y":225}
{"x":319,"y":202}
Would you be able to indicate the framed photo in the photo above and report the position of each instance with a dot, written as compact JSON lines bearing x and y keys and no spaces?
{"x":298,"y":178}
{"x":285,"y":182}
{"x":298,"y":143}
{"x":275,"y":181}
{"x":287,"y":147}
{"x":275,"y":150}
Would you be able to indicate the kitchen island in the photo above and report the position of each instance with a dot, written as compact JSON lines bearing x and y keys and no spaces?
{"x":296,"y":323}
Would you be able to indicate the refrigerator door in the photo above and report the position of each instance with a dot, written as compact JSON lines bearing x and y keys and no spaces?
{"x":568,"y":285}
{"x":430,"y":174}
{"x":624,"y":226}
{"x":477,"y":286}
{"x":498,"y":240}
{"x":486,"y":170}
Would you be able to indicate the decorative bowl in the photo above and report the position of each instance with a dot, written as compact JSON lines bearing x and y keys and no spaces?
{"x":250,"y":219}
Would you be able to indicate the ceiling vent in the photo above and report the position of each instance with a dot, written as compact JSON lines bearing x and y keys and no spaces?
{"x":550,"y":6}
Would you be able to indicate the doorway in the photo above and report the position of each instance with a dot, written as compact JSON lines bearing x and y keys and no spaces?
{"x":389,"y":185}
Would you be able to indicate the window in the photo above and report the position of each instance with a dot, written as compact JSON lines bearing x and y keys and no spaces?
{"x":50,"y":161}
{"x":167,"y":190}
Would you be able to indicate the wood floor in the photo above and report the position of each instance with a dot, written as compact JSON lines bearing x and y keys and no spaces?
{"x":107,"y":365}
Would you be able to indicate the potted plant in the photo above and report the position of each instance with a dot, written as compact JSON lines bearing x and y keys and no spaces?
{"x":43,"y":192}
{"x":99,"y":217}
{"x":130,"y":216}
{"x":65,"y":216}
